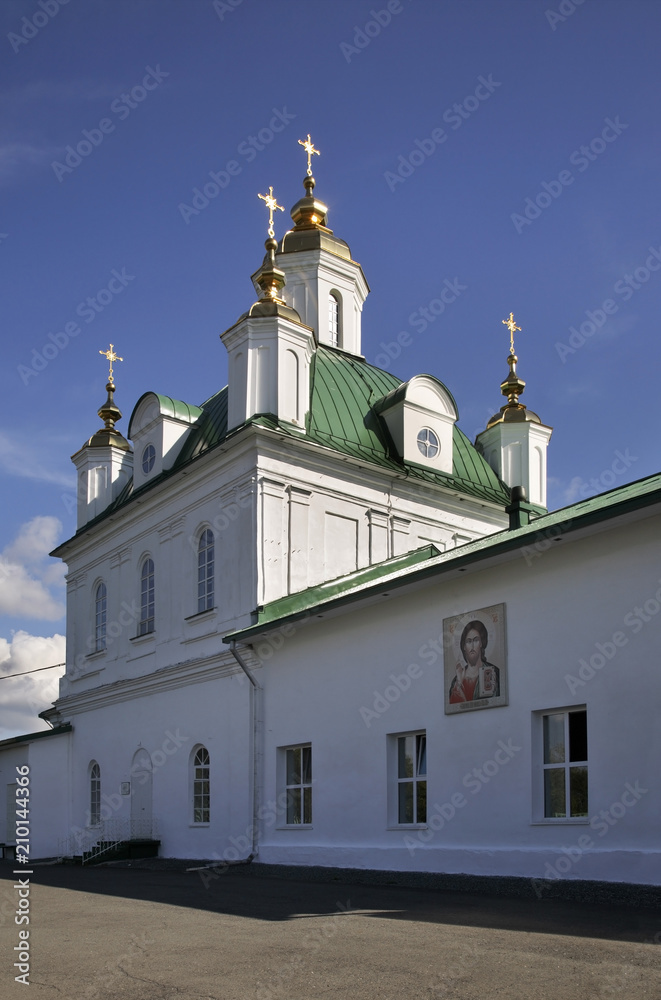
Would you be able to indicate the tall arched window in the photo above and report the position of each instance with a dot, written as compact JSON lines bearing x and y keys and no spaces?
{"x":100,"y":615}
{"x":205,"y":571}
{"x":201,"y":796}
{"x":333,"y":320}
{"x":95,"y":794}
{"x":146,"y":623}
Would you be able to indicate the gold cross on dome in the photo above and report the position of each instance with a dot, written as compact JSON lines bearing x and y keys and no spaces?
{"x":272,"y":205}
{"x":512,"y":327}
{"x":111,"y":356}
{"x":309,"y":149}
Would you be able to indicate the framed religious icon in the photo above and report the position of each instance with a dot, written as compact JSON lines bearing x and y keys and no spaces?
{"x":475,"y":660}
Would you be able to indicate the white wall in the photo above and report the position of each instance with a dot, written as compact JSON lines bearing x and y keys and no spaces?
{"x":570,"y":598}
{"x":167,"y":725}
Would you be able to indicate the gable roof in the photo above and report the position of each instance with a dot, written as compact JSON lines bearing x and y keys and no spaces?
{"x":344,"y":389}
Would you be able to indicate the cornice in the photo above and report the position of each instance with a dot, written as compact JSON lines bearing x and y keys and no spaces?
{"x":196,"y":671}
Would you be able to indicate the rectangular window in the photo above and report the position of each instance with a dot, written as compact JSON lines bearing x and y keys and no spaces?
{"x":565,"y":764}
{"x":298,"y":785}
{"x":412,"y":778}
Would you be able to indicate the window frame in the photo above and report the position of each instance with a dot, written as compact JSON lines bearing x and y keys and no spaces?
{"x":334,"y":319}
{"x":395,"y":780}
{"x":289,"y":788}
{"x":147,"y":623}
{"x":431,"y":440}
{"x":94,"y":787}
{"x":197,"y":786}
{"x":100,"y":617}
{"x":206,"y":586}
{"x":541,"y":766}
{"x":148,"y":459}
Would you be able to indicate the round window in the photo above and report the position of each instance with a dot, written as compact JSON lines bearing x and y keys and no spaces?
{"x":148,"y":459}
{"x":428,"y":443}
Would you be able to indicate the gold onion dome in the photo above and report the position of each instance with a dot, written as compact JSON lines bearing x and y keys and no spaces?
{"x":513,"y":411}
{"x":110,"y":414}
{"x":310,"y":230}
{"x":269,"y":281}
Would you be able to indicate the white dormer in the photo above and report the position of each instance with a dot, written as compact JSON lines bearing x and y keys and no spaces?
{"x":420,"y":415}
{"x":158,"y":429}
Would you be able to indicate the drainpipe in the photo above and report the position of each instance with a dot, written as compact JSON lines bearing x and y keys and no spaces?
{"x":255,"y":691}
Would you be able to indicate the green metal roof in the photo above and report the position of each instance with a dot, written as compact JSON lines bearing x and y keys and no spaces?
{"x":341,"y":416}
{"x":170,"y":407}
{"x":344,"y":391}
{"x":313,"y":596}
{"x":530,"y":541}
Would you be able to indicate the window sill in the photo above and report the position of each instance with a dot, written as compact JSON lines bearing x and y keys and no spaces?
{"x":197,"y":826}
{"x":97,"y":653}
{"x":201,"y":615}
{"x":561,"y":821}
{"x":142,"y":638}
{"x":296,"y":826}
{"x":407,"y":826}
{"x":84,"y":674}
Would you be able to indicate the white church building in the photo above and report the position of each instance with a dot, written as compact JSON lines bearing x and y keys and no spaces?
{"x":310,"y":623}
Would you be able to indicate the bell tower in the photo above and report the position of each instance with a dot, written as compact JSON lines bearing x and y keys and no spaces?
{"x":324,"y":284}
{"x":269,"y":348}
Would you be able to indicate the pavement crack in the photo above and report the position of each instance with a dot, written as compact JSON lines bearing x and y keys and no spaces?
{"x":165,"y":987}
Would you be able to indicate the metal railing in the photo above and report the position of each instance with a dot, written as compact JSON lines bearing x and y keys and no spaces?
{"x":91,"y":842}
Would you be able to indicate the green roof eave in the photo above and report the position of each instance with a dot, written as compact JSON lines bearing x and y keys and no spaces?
{"x":28,"y":737}
{"x":310,"y":598}
{"x":623,"y":501}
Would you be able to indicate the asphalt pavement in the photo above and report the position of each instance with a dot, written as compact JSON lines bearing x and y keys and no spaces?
{"x":110,"y":932}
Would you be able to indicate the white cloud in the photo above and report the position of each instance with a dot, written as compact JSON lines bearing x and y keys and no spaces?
{"x":35,"y":540}
{"x":22,"y":698}
{"x":60,"y":91}
{"x":575,"y":490}
{"x":18,"y":459}
{"x":24,"y":589}
{"x":16,"y":156}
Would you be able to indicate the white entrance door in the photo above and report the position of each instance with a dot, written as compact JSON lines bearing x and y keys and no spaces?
{"x":141,"y":795}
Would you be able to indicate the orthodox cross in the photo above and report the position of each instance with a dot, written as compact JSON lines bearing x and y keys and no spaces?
{"x":309,"y":149}
{"x":111,"y":356}
{"x":511,"y":326}
{"x":272,"y":205}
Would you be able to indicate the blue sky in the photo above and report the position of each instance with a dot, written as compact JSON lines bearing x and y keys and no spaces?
{"x":509,"y":148}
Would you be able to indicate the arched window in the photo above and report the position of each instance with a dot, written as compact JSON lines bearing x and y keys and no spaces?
{"x":146,"y":623}
{"x":205,"y":571}
{"x":95,"y":794}
{"x":100,"y":615}
{"x":333,"y":320}
{"x":201,"y":797}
